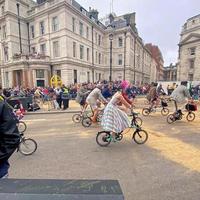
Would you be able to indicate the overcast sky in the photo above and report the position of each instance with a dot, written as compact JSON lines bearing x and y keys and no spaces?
{"x":158,"y":21}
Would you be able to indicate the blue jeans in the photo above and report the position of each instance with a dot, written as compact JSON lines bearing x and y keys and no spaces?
{"x":4,"y":168}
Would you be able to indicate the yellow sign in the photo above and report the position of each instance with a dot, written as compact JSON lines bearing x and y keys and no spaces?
{"x":55,"y":81}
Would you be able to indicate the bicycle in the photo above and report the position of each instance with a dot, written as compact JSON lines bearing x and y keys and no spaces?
{"x":27,"y":146}
{"x":77,"y":118}
{"x":87,"y":121}
{"x":136,"y":119}
{"x":164,"y":110}
{"x":140,"y":136}
{"x":178,"y":115}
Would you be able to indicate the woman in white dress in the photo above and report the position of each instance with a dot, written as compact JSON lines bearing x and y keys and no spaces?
{"x":115,"y":119}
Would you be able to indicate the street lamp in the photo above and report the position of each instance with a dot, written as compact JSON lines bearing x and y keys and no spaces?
{"x":111,"y":39}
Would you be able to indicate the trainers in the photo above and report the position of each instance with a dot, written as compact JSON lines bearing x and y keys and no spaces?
{"x":5,"y":176}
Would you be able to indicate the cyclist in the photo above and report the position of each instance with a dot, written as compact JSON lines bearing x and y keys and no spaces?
{"x":153,"y":96}
{"x":10,"y":138}
{"x":93,"y":100}
{"x":82,"y":94}
{"x":115,"y":119}
{"x":181,"y":94}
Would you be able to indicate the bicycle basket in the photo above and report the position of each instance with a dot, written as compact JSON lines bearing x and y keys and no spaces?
{"x":191,"y":107}
{"x":164,"y":104}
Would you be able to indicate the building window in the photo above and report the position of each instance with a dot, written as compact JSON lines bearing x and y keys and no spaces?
{"x":43,"y":49}
{"x":73,"y":24}
{"x":74,"y":49}
{"x":99,"y":42}
{"x":4,"y":32}
{"x":39,"y":73}
{"x":99,"y":76}
{"x":87,"y":33}
{"x":96,"y":57}
{"x":75,"y":76}
{"x":191,"y":64}
{"x":190,"y":77}
{"x":88,"y":54}
{"x":81,"y":28}
{"x":2,"y":10}
{"x":56,"y":52}
{"x":120,"y":42}
{"x":88,"y":77}
{"x":7,"y":79}
{"x":55,"y":24}
{"x":33,"y":50}
{"x":58,"y":73}
{"x":32,"y":31}
{"x":120,"y":59}
{"x":84,"y":12}
{"x":42,"y":28}
{"x":192,"y":51}
{"x":102,"y":58}
{"x":96,"y":38}
{"x":6,"y":54}
{"x":81,"y":51}
{"x":99,"y":58}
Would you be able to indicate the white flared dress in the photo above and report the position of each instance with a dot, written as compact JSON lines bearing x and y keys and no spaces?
{"x":114,"y":119}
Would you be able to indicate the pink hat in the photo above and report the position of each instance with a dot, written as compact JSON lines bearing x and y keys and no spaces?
{"x":124,"y":84}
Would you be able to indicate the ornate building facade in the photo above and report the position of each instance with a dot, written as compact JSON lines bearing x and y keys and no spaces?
{"x":60,"y":37}
{"x":170,"y":73}
{"x":189,"y":51}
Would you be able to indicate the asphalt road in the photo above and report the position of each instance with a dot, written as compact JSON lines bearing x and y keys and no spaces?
{"x":167,"y":167}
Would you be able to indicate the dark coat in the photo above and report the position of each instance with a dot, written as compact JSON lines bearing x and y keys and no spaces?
{"x":9,"y":134}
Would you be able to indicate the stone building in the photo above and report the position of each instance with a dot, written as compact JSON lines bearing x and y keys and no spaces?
{"x":157,"y":56}
{"x":170,"y":73}
{"x":60,"y":37}
{"x":189,"y":51}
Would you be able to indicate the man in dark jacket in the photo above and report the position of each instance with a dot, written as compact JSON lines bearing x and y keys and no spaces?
{"x":9,"y":137}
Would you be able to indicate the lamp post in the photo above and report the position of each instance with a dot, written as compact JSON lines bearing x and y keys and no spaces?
{"x":19,"y":26}
{"x":125,"y":56}
{"x":111,"y":39}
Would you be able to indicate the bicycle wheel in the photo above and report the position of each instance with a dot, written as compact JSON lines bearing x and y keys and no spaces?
{"x":86,"y":122}
{"x":103,"y":138}
{"x":138,"y":121}
{"x":170,"y":119}
{"x":190,"y":117}
{"x":76,"y":118}
{"x":21,"y":126}
{"x":140,"y":136}
{"x":146,"y":102}
{"x":145,"y":112}
{"x":27,"y":146}
{"x":165,"y":111}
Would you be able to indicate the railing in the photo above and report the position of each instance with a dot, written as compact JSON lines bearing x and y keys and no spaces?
{"x":43,"y":6}
{"x":30,"y":57}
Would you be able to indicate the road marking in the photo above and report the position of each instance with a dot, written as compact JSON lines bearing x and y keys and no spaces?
{"x":35,"y":120}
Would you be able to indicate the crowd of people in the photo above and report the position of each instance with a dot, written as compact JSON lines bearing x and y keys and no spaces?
{"x":61,"y":95}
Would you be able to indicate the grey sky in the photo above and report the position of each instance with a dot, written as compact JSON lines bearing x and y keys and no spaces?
{"x":158,"y":21}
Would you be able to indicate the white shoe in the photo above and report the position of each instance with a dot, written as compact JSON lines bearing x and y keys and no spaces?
{"x":5,"y":177}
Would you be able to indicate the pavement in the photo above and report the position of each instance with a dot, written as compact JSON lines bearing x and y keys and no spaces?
{"x":167,"y":167}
